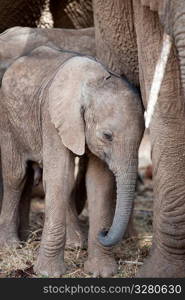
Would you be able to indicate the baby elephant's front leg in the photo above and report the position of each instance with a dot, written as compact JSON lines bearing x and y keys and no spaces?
{"x":57,"y":171}
{"x":101,"y":196}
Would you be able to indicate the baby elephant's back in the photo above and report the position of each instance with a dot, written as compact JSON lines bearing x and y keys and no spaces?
{"x":22,"y":87}
{"x":27,"y":73}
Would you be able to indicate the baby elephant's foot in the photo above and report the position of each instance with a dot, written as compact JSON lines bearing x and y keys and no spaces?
{"x":101,"y":266}
{"x":49,"y":267}
{"x":75,"y":238}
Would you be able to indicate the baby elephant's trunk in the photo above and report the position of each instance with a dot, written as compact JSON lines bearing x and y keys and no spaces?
{"x":126,"y":185}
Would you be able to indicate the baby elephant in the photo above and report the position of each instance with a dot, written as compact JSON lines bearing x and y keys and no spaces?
{"x":55,"y":105}
{"x":16,"y":42}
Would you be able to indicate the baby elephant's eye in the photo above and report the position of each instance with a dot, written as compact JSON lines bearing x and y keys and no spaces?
{"x":107,"y":134}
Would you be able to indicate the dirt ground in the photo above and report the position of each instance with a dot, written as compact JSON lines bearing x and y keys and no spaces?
{"x":129,"y":254}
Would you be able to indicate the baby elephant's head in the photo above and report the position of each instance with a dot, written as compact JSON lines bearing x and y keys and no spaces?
{"x":89,"y":106}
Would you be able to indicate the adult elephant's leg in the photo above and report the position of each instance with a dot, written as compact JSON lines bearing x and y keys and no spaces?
{"x":101,"y":196}
{"x":167,"y":258}
{"x":72,"y":14}
{"x":116,"y":44}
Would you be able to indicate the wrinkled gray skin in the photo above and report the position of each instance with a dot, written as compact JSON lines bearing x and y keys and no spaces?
{"x":18,"y":41}
{"x":172,"y":17}
{"x":137,"y":27}
{"x":101,"y":111}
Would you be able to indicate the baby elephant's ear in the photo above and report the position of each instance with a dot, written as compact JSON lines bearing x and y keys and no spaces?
{"x":65,"y":108}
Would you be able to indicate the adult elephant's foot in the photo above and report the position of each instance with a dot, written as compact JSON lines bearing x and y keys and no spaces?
{"x":75,"y":238}
{"x":159,"y":266}
{"x":49,"y":267}
{"x":100,"y":265}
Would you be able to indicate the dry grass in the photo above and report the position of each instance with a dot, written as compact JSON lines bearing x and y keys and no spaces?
{"x":129,"y":254}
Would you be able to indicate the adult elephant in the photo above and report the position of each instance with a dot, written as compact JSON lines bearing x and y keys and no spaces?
{"x":66,"y":13}
{"x":137,"y":27}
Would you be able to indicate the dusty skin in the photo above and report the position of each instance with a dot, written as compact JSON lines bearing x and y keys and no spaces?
{"x":50,"y":135}
{"x":128,"y":40}
{"x":16,"y":42}
{"x":132,"y":34}
{"x":129,"y":254}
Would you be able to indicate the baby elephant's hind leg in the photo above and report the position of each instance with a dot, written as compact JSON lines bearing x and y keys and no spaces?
{"x":76,"y":238}
{"x":101,"y":196}
{"x":14,"y":176}
{"x":25,"y":204}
